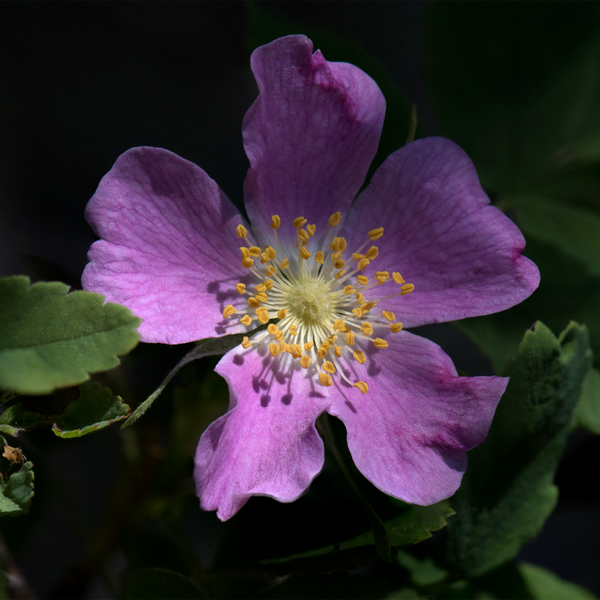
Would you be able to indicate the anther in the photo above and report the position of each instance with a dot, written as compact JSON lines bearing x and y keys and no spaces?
{"x":335,"y":219}
{"x":359,"y":355}
{"x":274,"y":349}
{"x":372,"y":252}
{"x":304,"y":253}
{"x":247,"y":262}
{"x":299,"y":222}
{"x":360,"y":298}
{"x":379,"y":343}
{"x":390,"y":316}
{"x":339,"y":323}
{"x":375,"y":234}
{"x":362,"y":279}
{"x":339,"y":264}
{"x":275,"y":222}
{"x":395,"y":327}
{"x":308,"y":346}
{"x":229,"y":310}
{"x":367,"y":328}
{"x":407,"y":288}
{"x":246,"y":320}
{"x":303,"y":235}
{"x":349,"y":338}
{"x":293,"y":330}
{"x":340,"y":273}
{"x":319,"y":257}
{"x":241,"y":231}
{"x":261,"y":287}
{"x":268,"y":283}
{"x":279,"y":336}
{"x":325,"y":379}
{"x":311,"y":230}
{"x":254,"y":251}
{"x":362,"y":263}
{"x":398,"y":278}
{"x":240,"y":288}
{"x":362,"y":386}
{"x":338,"y":351}
{"x":357,"y":312}
{"x":285,"y":263}
{"x":272,"y":329}
{"x":357,"y":256}
{"x":382,"y":277}
{"x":245,"y":251}
{"x":348,"y":290}
{"x":253,"y":302}
{"x":305,"y":361}
{"x":261,"y":297}
{"x":263,"y":316}
{"x":270,"y":271}
{"x":328,"y":367}
{"x":282,"y":314}
{"x":245,"y":343}
{"x":270,"y":252}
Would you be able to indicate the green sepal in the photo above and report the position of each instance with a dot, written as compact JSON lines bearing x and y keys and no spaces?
{"x":51,"y":339}
{"x":507,"y":492}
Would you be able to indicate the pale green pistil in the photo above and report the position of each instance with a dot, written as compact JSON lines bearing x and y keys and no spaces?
{"x":310,"y":302}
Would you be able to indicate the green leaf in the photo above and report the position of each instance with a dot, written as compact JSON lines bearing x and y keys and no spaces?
{"x":423,"y":572}
{"x":16,"y":491}
{"x":207,"y":347}
{"x":576,"y":231}
{"x":93,"y":408}
{"x":516,"y":580}
{"x":52,"y":339}
{"x":160,"y":584}
{"x":587,"y":413}
{"x":507,"y":492}
{"x":72,"y":413}
{"x":411,"y":527}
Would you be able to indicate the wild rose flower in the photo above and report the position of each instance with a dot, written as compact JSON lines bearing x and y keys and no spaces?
{"x":336,"y":281}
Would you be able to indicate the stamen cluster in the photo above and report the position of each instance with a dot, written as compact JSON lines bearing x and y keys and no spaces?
{"x":318,"y":315}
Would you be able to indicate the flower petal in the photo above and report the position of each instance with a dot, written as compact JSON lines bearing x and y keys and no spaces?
{"x":266,"y":444}
{"x":409,"y":433}
{"x":168,"y":251}
{"x":441,"y":234}
{"x":311,"y":134}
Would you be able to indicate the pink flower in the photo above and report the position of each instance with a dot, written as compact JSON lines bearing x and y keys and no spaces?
{"x":325,"y":272}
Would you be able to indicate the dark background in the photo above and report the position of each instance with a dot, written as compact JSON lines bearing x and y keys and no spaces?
{"x":82,"y":82}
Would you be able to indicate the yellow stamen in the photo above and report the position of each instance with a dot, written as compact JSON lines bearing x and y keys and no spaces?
{"x":285,"y":263}
{"x":338,"y":351}
{"x":304,"y":253}
{"x":279,"y":336}
{"x":270,"y":252}
{"x":398,"y":278}
{"x":339,"y":323}
{"x":311,"y":230}
{"x":372,"y":252}
{"x":375,"y":234}
{"x":275,"y":222}
{"x":360,"y":298}
{"x":395,"y":327}
{"x":305,"y":361}
{"x":362,"y":386}
{"x":362,"y":279}
{"x":339,"y":264}
{"x":367,"y":328}
{"x":283,"y":347}
{"x":229,"y":310}
{"x":299,"y":222}
{"x":308,"y":346}
{"x":261,"y":287}
{"x":339,"y":273}
{"x":357,"y":312}
{"x":274,"y":349}
{"x":240,"y":288}
{"x":321,"y":353}
{"x":348,"y":290}
{"x":247,"y":262}
{"x":335,"y":219}
{"x":390,"y":316}
{"x":282,"y":314}
{"x":272,"y":329}
{"x":270,"y":271}
{"x":359,"y":355}
{"x":303,"y":235}
{"x":241,"y":231}
{"x":407,"y":288}
{"x":382,"y":277}
{"x":362,"y":263}
{"x":245,"y":252}
{"x":268,"y":283}
{"x":245,"y":343}
{"x":325,"y":379}
{"x":379,"y":343}
{"x":357,"y":256}
{"x":367,"y":306}
{"x":350,"y":338}
{"x":296,"y":351}
{"x":293,"y":330}
{"x":263,"y":316}
{"x":246,"y":320}
{"x":336,"y":256}
{"x":261,"y":297}
{"x":254,"y":251}
{"x":328,"y":367}
{"x":264,"y":259}
{"x":319,"y":257}
{"x":253,"y":302}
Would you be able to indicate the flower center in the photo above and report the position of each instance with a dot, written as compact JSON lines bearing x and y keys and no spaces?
{"x":310,"y":302}
{"x":318,"y":305}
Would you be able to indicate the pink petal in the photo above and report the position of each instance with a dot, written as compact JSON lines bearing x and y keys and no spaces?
{"x":169,"y":250}
{"x":409,"y":433}
{"x":266,"y":444}
{"x":310,"y":136}
{"x":441,"y":234}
